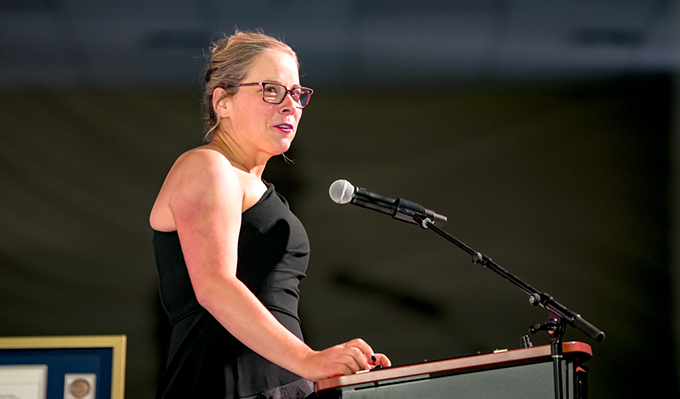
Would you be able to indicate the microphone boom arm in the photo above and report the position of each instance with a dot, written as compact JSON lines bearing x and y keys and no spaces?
{"x":536,"y":298}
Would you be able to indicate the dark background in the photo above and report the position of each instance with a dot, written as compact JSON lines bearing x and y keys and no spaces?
{"x":545,"y":132}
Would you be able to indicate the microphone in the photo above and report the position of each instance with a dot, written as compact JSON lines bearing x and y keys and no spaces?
{"x":343,"y":192}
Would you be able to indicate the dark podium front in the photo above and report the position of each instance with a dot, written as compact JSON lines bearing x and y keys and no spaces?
{"x":520,"y":373}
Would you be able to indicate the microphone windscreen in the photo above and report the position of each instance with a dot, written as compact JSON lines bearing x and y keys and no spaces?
{"x":341,"y":191}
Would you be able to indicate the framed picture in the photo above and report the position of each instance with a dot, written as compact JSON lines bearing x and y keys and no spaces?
{"x":71,"y":367}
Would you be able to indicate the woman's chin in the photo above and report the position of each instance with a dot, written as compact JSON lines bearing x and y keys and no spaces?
{"x":283,"y":146}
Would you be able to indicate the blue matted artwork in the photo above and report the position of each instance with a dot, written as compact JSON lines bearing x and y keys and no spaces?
{"x":66,"y":361}
{"x":101,"y":356}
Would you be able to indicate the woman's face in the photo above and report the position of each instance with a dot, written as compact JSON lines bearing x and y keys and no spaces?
{"x":262,"y":127}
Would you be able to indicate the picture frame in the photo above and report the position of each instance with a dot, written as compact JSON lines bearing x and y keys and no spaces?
{"x":92,"y":357}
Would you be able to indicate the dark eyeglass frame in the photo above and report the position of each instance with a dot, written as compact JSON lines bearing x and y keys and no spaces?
{"x":288,"y":92}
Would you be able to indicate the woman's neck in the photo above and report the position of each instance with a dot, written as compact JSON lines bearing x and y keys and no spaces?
{"x":237,"y":157}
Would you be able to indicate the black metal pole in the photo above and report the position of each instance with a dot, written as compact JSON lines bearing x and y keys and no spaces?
{"x":536,"y":297}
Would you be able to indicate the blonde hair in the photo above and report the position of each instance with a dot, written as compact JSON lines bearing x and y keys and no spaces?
{"x":231,"y":59}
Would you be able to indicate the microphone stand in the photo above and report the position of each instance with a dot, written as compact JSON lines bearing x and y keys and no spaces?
{"x":558,"y":315}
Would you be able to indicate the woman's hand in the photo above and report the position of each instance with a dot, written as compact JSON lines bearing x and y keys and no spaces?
{"x":347,"y":358}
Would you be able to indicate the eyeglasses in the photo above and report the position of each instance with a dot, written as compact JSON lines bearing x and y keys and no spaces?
{"x":274,"y":93}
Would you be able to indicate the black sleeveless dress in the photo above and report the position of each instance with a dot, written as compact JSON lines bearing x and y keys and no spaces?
{"x":204,"y":359}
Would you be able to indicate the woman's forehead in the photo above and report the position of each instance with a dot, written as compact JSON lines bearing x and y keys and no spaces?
{"x":274,"y":65}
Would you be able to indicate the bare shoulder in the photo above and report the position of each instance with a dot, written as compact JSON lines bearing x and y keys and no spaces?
{"x":201,"y":165}
{"x":200,"y":179}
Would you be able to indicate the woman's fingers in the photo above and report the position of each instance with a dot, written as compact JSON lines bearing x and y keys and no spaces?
{"x":353,"y":354}
{"x":367,"y":359}
{"x":365,"y":356}
{"x":381,"y":360}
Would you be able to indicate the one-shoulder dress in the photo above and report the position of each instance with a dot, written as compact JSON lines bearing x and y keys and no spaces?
{"x":204,"y":360}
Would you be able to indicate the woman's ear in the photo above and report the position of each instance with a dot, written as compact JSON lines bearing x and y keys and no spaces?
{"x":220,"y":102}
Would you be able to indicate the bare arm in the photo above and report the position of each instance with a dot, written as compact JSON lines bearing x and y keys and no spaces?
{"x":205,"y":200}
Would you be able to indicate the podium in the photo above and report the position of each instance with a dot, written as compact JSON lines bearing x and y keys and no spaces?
{"x":512,"y":374}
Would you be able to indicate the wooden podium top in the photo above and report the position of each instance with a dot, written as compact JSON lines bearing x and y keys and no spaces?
{"x":575,"y":351}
